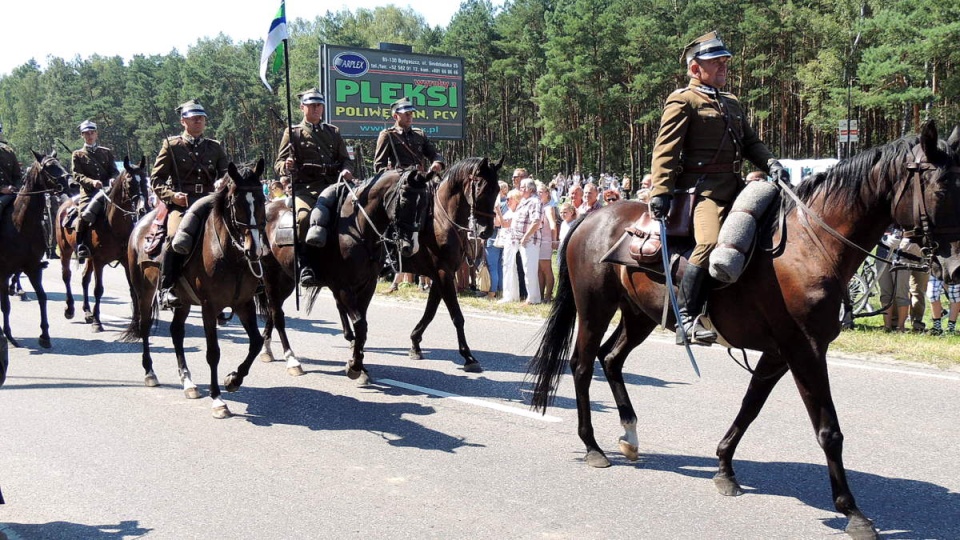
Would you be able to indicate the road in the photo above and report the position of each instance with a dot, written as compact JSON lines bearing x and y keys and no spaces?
{"x":429,"y":451}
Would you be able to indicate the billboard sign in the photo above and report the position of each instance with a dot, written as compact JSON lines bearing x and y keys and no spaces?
{"x":360,"y":85}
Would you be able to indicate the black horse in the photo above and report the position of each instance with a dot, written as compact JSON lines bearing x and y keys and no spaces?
{"x":22,"y":238}
{"x":222,"y":271}
{"x":785,"y":304}
{"x":462,"y":212}
{"x":368,"y":228}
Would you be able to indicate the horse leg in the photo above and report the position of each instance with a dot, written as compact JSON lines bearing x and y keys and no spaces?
{"x":220,"y":409}
{"x":768,"y":371}
{"x":97,"y":294}
{"x":429,"y":312}
{"x":67,"y":275}
{"x":36,"y":280}
{"x":589,"y":333}
{"x":632,"y":330}
{"x":813,"y":382}
{"x":247,"y":313}
{"x":5,"y":307}
{"x":85,"y":285}
{"x":177,"y":333}
{"x":355,"y":369}
{"x":266,"y":352}
{"x":449,"y":295}
{"x":345,"y":322}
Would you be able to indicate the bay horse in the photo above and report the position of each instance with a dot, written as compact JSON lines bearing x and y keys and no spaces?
{"x":784,"y":305}
{"x":366,"y":237}
{"x":22,"y":237}
{"x":462,"y":212}
{"x":108,"y":239}
{"x":222,"y":271}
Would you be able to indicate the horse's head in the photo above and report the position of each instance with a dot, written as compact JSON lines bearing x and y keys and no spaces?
{"x":406,"y":206}
{"x":130,"y":183}
{"x":928,"y":205}
{"x":483,"y":191}
{"x":246,"y":206}
{"x":47,"y":174}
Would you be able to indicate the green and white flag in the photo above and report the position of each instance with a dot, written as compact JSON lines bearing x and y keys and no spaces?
{"x":275,"y":41}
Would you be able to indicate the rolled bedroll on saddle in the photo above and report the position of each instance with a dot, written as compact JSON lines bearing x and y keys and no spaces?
{"x":739,"y":230}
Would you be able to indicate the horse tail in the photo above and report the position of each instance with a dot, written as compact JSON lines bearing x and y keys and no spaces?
{"x":548,"y":364}
{"x":262,"y":304}
{"x":310,"y":294}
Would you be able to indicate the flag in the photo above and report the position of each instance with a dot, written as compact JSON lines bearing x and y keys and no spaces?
{"x":276,"y":39}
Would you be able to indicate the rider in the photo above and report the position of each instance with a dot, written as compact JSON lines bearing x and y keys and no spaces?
{"x":402,"y":145}
{"x":93,"y":167}
{"x":319,"y":159}
{"x":186,"y":169}
{"x":703,"y":138}
{"x":10,"y":173}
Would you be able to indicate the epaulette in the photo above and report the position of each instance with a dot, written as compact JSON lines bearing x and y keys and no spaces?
{"x":681,"y":90}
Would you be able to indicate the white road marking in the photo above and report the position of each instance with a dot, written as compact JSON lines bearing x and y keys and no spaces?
{"x":471,"y":401}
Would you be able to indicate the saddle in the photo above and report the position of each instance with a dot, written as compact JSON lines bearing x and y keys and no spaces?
{"x":69,"y":219}
{"x":641,"y":244}
{"x":153,"y":241}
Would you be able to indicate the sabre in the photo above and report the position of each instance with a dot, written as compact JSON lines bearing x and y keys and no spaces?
{"x":671,"y":296}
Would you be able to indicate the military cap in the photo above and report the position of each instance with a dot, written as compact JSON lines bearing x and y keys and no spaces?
{"x":402,"y":105}
{"x":87,"y":125}
{"x":191,"y":108}
{"x":704,"y":47}
{"x":312,"y":95}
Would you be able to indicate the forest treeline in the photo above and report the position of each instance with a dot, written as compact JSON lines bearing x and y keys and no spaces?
{"x":552,"y":85}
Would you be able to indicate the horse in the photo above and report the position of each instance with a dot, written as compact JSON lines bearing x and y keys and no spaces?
{"x":22,"y":238}
{"x":784,"y":305}
{"x":366,"y":226}
{"x":462,"y":212}
{"x":108,"y":239}
{"x":222,"y":271}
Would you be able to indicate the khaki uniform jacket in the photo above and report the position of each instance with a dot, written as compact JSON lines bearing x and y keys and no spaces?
{"x":409,"y":149}
{"x":10,"y":173}
{"x":703,"y":127}
{"x":198,"y":165}
{"x":322,"y":155}
{"x":90,"y":165}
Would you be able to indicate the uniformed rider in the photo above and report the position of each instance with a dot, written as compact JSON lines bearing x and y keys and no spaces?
{"x":402,"y":145}
{"x":10,"y":173}
{"x":93,"y":168}
{"x":314,"y":157}
{"x":703,"y":138}
{"x":185,"y":171}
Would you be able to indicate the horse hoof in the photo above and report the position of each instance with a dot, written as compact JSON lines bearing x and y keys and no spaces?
{"x":630,"y":451}
{"x":473,"y":367}
{"x":353,"y":374}
{"x":597,"y":460}
{"x":151,"y":381}
{"x":364,"y":379}
{"x":44,"y":342}
{"x":266,"y":357}
{"x":861,"y":528}
{"x":97,"y":327}
{"x":727,"y":485}
{"x":295,"y":371}
{"x":232,"y":382}
{"x":191,"y":393}
{"x":87,"y":317}
{"x":221,"y":412}
{"x":416,"y":355}
{"x":68,"y":313}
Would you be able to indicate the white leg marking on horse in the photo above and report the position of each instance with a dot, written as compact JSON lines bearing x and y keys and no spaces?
{"x":630,"y":433}
{"x":218,"y":403}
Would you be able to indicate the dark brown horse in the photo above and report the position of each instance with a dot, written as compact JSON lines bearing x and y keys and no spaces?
{"x":366,"y":227}
{"x":222,"y":271}
{"x":462,"y":212}
{"x":22,"y":239}
{"x":784,"y":305}
{"x":108,"y":239}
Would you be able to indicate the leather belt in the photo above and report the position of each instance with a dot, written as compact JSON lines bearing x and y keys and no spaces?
{"x":200,"y":189}
{"x":713,"y":168}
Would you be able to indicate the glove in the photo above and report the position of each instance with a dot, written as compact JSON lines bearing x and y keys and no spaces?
{"x":777,"y":172}
{"x":660,"y":206}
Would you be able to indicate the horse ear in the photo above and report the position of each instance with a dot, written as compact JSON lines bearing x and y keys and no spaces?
{"x":53,"y":154}
{"x":498,"y":164}
{"x":929,"y":139}
{"x":232,"y":170}
{"x":143,"y":162}
{"x":38,"y":156}
{"x":954,"y":139}
{"x":259,"y":168}
{"x":126,"y":162}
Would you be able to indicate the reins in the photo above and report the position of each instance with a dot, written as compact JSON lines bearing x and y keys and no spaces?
{"x":237,"y":243}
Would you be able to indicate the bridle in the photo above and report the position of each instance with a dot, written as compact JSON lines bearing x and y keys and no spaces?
{"x":133,"y":195}
{"x":50,"y":178}
{"x":473,"y":228}
{"x":234,"y":224}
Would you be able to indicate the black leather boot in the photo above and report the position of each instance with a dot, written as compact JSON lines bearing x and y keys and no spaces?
{"x":83,"y":239}
{"x":307,"y":276}
{"x":691,"y":300}
{"x":169,"y":274}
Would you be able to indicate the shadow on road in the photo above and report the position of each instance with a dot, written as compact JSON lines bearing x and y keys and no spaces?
{"x":56,"y":530}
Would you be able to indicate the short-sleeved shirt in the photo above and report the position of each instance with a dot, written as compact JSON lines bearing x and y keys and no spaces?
{"x":527,"y":213}
{"x":399,"y":149}
{"x":187,"y":165}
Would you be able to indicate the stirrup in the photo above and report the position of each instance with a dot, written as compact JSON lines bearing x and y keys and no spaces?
{"x":308,"y":278}
{"x":169,"y":299}
{"x":82,"y":251}
{"x":696,"y":333}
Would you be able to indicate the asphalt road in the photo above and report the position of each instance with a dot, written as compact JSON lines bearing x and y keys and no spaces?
{"x":429,"y":451}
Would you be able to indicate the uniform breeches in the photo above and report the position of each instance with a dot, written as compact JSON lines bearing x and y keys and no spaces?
{"x":707,"y":216}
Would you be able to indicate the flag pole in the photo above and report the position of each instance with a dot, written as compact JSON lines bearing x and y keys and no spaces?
{"x":293,"y":175}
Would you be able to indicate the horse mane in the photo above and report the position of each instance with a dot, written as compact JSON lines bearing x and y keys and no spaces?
{"x":118,"y":189}
{"x":463,"y":168}
{"x":841,"y":185}
{"x":20,"y":204}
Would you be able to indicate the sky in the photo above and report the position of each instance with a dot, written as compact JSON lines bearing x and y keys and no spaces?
{"x":65,"y":29}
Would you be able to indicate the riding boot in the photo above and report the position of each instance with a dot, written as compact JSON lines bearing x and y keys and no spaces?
{"x":169,"y":274}
{"x":691,"y":300}
{"x":307,"y":276}
{"x":83,"y":239}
